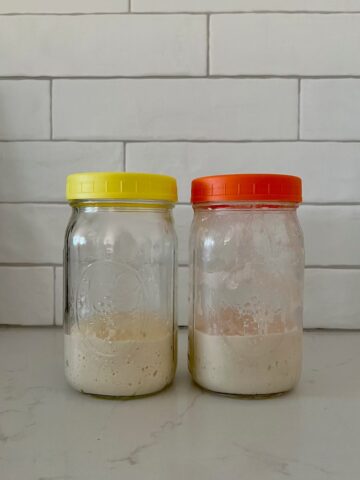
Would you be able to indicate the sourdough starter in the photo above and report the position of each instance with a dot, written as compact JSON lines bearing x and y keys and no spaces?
{"x":119,"y":357}
{"x":247,"y":365}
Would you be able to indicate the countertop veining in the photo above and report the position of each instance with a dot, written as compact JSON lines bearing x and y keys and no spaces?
{"x":50,"y":432}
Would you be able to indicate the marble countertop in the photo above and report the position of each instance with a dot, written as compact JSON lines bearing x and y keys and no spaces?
{"x":50,"y":432}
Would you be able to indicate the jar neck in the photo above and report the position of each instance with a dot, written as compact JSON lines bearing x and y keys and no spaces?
{"x":123,"y":204}
{"x":246,"y":206}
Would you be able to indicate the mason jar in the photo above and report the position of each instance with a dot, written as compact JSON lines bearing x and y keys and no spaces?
{"x":119,"y":283}
{"x":247,"y":268}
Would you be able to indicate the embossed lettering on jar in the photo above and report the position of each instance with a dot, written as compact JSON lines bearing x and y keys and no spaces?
{"x":247,"y":264}
{"x":120,"y":268}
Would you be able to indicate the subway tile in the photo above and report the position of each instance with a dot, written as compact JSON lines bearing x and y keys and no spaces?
{"x":170,"y":109}
{"x":332,"y":234}
{"x":332,"y":298}
{"x":243,"y":5}
{"x":330,"y":171}
{"x":36,"y":171}
{"x":24,"y":109}
{"x":315,"y":44}
{"x":63,"y":6}
{"x":26,"y":295}
{"x":330,"y":109}
{"x":124,"y":45}
{"x":58,"y":296}
{"x":32,"y":233}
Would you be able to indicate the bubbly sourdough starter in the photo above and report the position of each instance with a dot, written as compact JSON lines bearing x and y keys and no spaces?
{"x":246,"y":365}
{"x":119,"y":358}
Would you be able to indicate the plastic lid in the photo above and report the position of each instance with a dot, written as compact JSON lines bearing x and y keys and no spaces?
{"x":247,"y":187}
{"x":115,"y":185}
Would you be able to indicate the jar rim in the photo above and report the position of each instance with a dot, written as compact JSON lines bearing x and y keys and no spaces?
{"x":245,"y":205}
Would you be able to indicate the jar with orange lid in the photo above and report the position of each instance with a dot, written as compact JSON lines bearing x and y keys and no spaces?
{"x":120,"y":279}
{"x":246,"y":284}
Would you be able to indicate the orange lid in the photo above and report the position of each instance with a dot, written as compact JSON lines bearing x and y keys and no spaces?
{"x":253,"y":187}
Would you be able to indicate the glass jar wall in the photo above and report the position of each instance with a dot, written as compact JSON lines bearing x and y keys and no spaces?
{"x":245,"y":330}
{"x":120,"y":278}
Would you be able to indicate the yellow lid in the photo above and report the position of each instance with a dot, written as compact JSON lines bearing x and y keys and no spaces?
{"x":115,"y":185}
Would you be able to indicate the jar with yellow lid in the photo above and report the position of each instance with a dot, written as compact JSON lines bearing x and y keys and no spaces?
{"x":120,"y":279}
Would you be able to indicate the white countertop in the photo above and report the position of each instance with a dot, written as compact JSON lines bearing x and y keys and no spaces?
{"x":50,"y":432}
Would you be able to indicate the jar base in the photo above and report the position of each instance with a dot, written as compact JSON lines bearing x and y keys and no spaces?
{"x":246,"y":396}
{"x":124,"y":398}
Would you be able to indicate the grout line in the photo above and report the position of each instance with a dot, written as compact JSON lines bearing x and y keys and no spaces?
{"x":57,"y":140}
{"x":89,"y":14}
{"x":184,"y":12}
{"x":207,"y":45}
{"x":330,"y":204}
{"x":54,"y":287}
{"x":248,"y":76}
{"x":179,"y":140}
{"x":229,"y":141}
{"x":29,"y":264}
{"x":129,"y":6}
{"x":310,"y":267}
{"x":124,"y":156}
{"x":6,"y":326}
{"x":276,"y":12}
{"x":51,"y":109}
{"x":333,"y":267}
{"x":330,"y":330}
{"x":298,"y":107}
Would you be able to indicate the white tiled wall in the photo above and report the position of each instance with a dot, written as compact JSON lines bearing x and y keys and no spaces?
{"x":243,"y":5}
{"x":103,"y":45}
{"x":161,"y":109}
{"x":25,"y":109}
{"x":285,"y":44}
{"x":187,"y":88}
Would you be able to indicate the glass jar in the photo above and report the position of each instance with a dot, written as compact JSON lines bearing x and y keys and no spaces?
{"x":247,"y":267}
{"x":120,"y":280}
